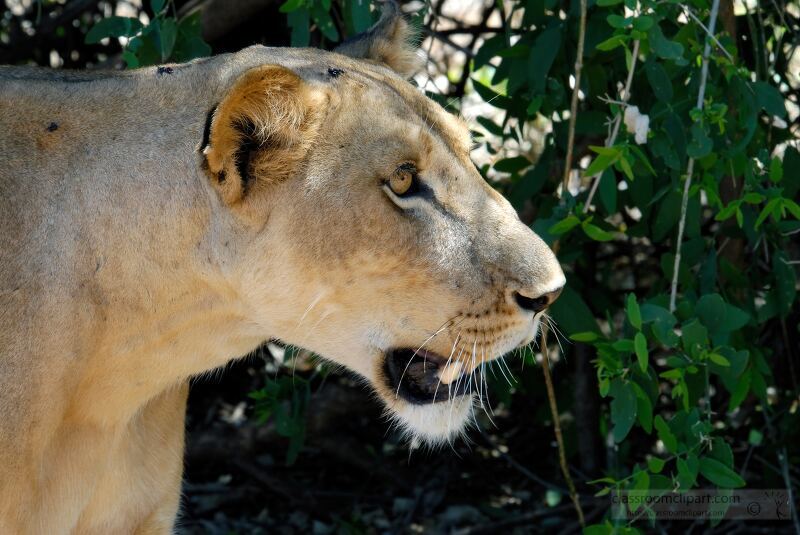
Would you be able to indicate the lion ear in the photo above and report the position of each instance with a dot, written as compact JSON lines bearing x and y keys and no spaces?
{"x":391,"y":41}
{"x":260,"y":133}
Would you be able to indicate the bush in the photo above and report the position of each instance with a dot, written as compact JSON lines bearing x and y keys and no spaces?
{"x":666,"y":182}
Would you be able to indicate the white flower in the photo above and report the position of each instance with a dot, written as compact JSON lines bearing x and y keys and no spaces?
{"x":637,"y":124}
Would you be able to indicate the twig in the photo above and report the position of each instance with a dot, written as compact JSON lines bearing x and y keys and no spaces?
{"x":709,"y":34}
{"x":551,"y":397}
{"x":447,"y":41}
{"x":626,"y":95}
{"x":712,"y":24}
{"x":573,"y":109}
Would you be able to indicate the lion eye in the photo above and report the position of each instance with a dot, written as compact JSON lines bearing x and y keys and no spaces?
{"x":404,"y":180}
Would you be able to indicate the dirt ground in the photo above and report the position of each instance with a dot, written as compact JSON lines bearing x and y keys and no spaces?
{"x":355,"y":474}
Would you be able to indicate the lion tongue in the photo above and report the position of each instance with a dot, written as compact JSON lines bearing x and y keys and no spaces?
{"x":451,"y":372}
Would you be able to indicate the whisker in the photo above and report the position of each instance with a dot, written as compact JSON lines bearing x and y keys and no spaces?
{"x":500,"y":365}
{"x":487,"y":405}
{"x":559,"y":335}
{"x":411,"y":359}
{"x":439,"y":382}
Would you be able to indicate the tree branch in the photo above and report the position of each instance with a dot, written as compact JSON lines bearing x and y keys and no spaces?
{"x":712,"y":24}
{"x":615,"y":130}
{"x":551,"y":397}
{"x":573,"y":109}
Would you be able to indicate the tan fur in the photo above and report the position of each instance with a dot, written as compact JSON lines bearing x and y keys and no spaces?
{"x":127,"y":266}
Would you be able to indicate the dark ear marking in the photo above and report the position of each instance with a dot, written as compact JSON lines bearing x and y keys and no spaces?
{"x":244,"y":153}
{"x":207,"y":127}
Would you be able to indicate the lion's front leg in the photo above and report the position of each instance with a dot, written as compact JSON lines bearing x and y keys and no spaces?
{"x":140,"y":491}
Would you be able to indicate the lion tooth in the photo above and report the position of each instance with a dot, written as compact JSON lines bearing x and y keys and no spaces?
{"x":450,"y":373}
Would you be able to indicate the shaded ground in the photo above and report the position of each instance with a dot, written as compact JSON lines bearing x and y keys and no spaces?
{"x":355,"y":475}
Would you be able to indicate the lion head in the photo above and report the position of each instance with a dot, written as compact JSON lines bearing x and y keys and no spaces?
{"x":373,"y":241}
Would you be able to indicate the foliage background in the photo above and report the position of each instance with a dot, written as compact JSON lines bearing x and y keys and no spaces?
{"x":701,"y":394}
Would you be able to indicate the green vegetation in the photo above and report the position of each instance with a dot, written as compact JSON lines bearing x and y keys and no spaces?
{"x":676,"y":221}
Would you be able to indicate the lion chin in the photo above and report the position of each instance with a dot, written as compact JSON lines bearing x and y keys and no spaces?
{"x":429,"y":397}
{"x":435,"y":424}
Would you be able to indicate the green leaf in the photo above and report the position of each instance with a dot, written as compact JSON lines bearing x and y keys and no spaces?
{"x":655,"y":465}
{"x":755,"y":437}
{"x":534,"y":105}
{"x":641,"y":484}
{"x":694,"y":336}
{"x":770,"y":99}
{"x":654,"y":313}
{"x":606,"y":3}
{"x":169,"y":33}
{"x":768,"y":209}
{"x":512,"y":165}
{"x":299,"y":21}
{"x":700,"y":146}
{"x":665,"y":435}
{"x":667,"y":215}
{"x":711,"y":310}
{"x":612,"y":42}
{"x":643,"y":23}
{"x":359,"y":15}
{"x":291,"y":5}
{"x":599,"y":529}
{"x":644,"y":408}
{"x":492,"y":127}
{"x":572,"y":313}
{"x":640,"y":155}
{"x":775,"y":169}
{"x":623,"y":409}
{"x":672,"y":374}
{"x":659,"y":80}
{"x":490,"y":96}
{"x":606,"y":157}
{"x":640,"y":347}
{"x":595,"y":232}
{"x":719,"y":474}
{"x":157,"y":5}
{"x":721,"y":451}
{"x":565,"y":225}
{"x":625,"y":166}
{"x":662,"y":46}
{"x":543,"y":53}
{"x":618,"y":21}
{"x":131,"y":61}
{"x":718,"y":359}
{"x":322,"y":17}
{"x":633,"y":311}
{"x":588,"y":336}
{"x":189,"y":44}
{"x":687,"y":471}
{"x":113,"y":27}
{"x":607,"y":191}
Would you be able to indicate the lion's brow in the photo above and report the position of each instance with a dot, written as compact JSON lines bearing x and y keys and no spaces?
{"x":454,"y":134}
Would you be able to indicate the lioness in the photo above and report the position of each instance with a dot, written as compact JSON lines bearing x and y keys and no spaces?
{"x":156,"y":224}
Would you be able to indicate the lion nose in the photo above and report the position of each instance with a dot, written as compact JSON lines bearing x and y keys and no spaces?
{"x":539,"y":303}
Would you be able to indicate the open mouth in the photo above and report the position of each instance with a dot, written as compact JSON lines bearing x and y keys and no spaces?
{"x":420,"y":376}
